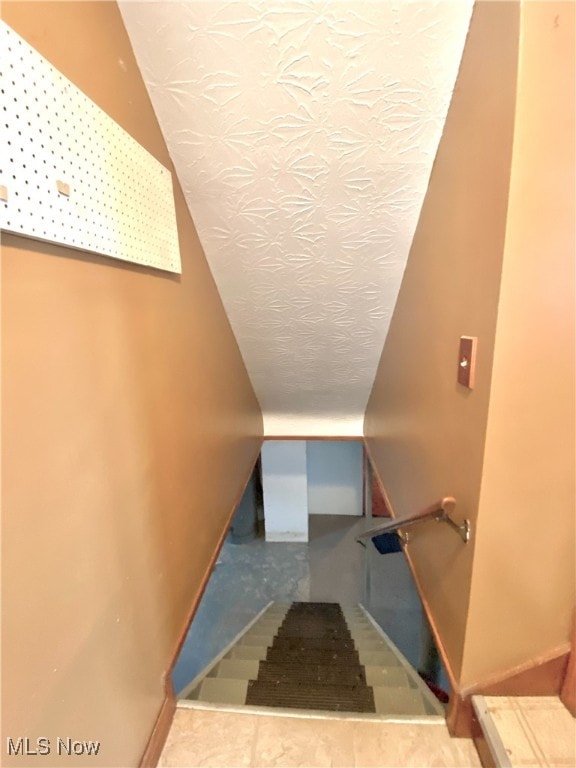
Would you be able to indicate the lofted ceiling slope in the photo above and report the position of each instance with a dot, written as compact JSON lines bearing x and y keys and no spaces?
{"x":303,"y":134}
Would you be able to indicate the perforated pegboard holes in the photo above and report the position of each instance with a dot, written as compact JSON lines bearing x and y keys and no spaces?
{"x":70,"y":175}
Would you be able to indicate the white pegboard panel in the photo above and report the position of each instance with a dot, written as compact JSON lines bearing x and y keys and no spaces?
{"x":70,"y":175}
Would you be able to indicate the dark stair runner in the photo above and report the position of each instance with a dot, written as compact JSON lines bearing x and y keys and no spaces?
{"x":312,"y":664}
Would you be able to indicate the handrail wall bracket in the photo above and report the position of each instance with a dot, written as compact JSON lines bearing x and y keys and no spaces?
{"x":441,"y":512}
{"x":463,"y":528}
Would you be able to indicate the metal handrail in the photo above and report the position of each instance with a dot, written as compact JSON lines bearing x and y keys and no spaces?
{"x":440,"y":511}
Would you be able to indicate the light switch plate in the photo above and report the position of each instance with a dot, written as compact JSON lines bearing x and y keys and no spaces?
{"x":467,"y":361}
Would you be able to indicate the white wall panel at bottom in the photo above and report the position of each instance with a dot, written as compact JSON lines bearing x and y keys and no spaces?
{"x":285,"y":490}
{"x":334,"y":477}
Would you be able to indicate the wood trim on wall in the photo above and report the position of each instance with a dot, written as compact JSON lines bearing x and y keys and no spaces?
{"x":540,"y":676}
{"x":380,"y":485}
{"x":460,"y":716}
{"x":568,"y":692}
{"x":544,"y":675}
{"x":211,"y":565}
{"x":161,"y":729}
{"x":425,"y":604}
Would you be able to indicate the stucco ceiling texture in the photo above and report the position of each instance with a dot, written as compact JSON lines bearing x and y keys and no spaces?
{"x":303,"y":134}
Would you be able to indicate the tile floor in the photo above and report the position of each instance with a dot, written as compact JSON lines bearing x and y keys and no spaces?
{"x":535,"y":731}
{"x":217,"y":738}
{"x":331,"y":567}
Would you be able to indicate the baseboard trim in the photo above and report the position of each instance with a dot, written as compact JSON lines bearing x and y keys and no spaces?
{"x":289,"y":537}
{"x":212,"y":563}
{"x":541,"y":676}
{"x":160,"y":731}
{"x":378,"y":480}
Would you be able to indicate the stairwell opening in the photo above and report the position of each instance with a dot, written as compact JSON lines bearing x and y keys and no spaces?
{"x":322,"y":563}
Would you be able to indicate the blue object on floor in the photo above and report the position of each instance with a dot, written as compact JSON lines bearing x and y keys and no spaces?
{"x":386,"y":543}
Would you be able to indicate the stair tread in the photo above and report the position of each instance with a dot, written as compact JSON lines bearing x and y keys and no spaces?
{"x":337,"y":698}
{"x":220,"y":690}
{"x":237,"y":669}
{"x":399,"y":701}
{"x":313,"y":643}
{"x":387,"y":676}
{"x":251,"y":638}
{"x":371,"y":644}
{"x":313,"y":656}
{"x":345,"y":674}
{"x":247,"y":652}
{"x":382,"y":658}
{"x":293,"y":629}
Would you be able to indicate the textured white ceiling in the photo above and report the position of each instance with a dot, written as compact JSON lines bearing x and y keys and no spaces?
{"x":303,"y":134}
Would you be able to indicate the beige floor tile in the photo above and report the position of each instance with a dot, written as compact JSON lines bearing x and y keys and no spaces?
{"x":551,"y":729}
{"x":299,"y":742}
{"x":201,"y":738}
{"x":389,"y":745}
{"x":214,"y":738}
{"x":535,"y":731}
{"x":513,"y":735}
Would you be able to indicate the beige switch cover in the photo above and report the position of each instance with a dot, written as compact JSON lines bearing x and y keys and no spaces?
{"x":467,"y":361}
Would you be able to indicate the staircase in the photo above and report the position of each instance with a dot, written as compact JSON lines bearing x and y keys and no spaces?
{"x":316,"y":656}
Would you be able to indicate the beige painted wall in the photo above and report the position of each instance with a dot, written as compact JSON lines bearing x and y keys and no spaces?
{"x":129,"y":426}
{"x":424,"y":431}
{"x":523,"y":581}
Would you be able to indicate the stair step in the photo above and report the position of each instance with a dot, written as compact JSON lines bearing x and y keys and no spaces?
{"x":312,"y":644}
{"x":399,"y":701}
{"x":373,"y":643}
{"x":256,"y":639}
{"x":220,"y":690}
{"x":293,"y":629}
{"x":360,"y":626}
{"x":316,"y":609}
{"x":337,"y":698}
{"x":236,"y":669}
{"x":364,"y":630}
{"x":316,"y":656}
{"x":313,"y":656}
{"x":321,"y":674}
{"x":268,"y":629}
{"x":354,"y":615}
{"x":381,"y":658}
{"x":269,"y":620}
{"x":394,"y":677}
{"x":247,"y":652}
{"x":358,"y":621}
